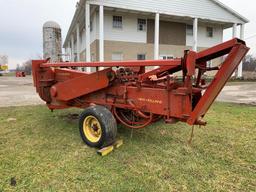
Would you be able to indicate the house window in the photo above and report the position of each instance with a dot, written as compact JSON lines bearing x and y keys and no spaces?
{"x":142,"y":24}
{"x":166,"y":57}
{"x":190,"y":30}
{"x":91,"y":26}
{"x":118,"y":22}
{"x":141,"y":57}
{"x":209,"y":32}
{"x":118,"y":56}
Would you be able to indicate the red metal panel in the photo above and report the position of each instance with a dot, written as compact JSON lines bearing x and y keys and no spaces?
{"x":35,"y":71}
{"x":76,"y":87}
{"x":67,"y":74}
{"x":191,"y":63}
{"x":145,"y":99}
{"x":217,"y":51}
{"x":151,"y":100}
{"x":148,"y":63}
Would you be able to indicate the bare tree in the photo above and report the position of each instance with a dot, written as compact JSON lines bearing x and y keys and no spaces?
{"x":18,"y":67}
{"x":27,"y":67}
{"x":249,"y":64}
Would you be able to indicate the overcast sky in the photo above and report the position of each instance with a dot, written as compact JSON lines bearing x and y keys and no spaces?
{"x":21,"y":24}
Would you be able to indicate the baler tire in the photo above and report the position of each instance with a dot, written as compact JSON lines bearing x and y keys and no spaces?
{"x":106,"y":122}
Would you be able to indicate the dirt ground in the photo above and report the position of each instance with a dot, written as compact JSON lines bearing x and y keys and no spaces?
{"x":20,"y":92}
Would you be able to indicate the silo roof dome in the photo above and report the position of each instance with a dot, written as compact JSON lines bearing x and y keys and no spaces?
{"x":51,"y":24}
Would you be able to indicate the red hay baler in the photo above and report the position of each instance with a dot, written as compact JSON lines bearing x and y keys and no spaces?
{"x":134,"y":96}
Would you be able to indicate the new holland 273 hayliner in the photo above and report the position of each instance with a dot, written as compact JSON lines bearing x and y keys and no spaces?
{"x":130,"y":96}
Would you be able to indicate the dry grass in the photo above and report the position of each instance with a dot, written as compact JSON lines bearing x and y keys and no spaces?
{"x":42,"y":151}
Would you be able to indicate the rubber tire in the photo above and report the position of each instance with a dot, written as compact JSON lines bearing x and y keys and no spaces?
{"x":107,"y":122}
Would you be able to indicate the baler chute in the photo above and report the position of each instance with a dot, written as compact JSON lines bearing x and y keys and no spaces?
{"x":130,"y":94}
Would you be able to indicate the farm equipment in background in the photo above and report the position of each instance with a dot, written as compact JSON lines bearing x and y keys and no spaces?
{"x":20,"y":74}
{"x":134,"y":97}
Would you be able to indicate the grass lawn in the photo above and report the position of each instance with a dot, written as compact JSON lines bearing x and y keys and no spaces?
{"x":10,"y":74}
{"x":42,"y":151}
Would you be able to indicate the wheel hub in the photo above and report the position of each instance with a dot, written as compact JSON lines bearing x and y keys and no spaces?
{"x":92,"y":129}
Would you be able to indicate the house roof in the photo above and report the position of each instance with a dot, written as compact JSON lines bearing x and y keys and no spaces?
{"x":208,"y":10}
{"x":231,"y":11}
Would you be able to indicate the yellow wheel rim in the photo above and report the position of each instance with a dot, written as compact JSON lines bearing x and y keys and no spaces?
{"x":92,"y":129}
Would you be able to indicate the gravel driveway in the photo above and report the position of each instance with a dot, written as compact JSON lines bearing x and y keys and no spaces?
{"x":243,"y":93}
{"x":20,"y":92}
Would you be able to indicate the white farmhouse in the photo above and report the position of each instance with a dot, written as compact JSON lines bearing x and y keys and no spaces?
{"x":113,"y":30}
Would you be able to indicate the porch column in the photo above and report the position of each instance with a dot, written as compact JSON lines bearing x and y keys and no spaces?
{"x":66,"y":53}
{"x":78,"y":42}
{"x":240,"y":68}
{"x":234,"y":35}
{"x":101,"y":35}
{"x":195,"y":34}
{"x":156,"y":45}
{"x":72,"y":48}
{"x":88,"y":34}
{"x":234,"y":30}
{"x":70,"y":51}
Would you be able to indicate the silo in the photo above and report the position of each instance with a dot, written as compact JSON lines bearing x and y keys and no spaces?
{"x":52,"y":41}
